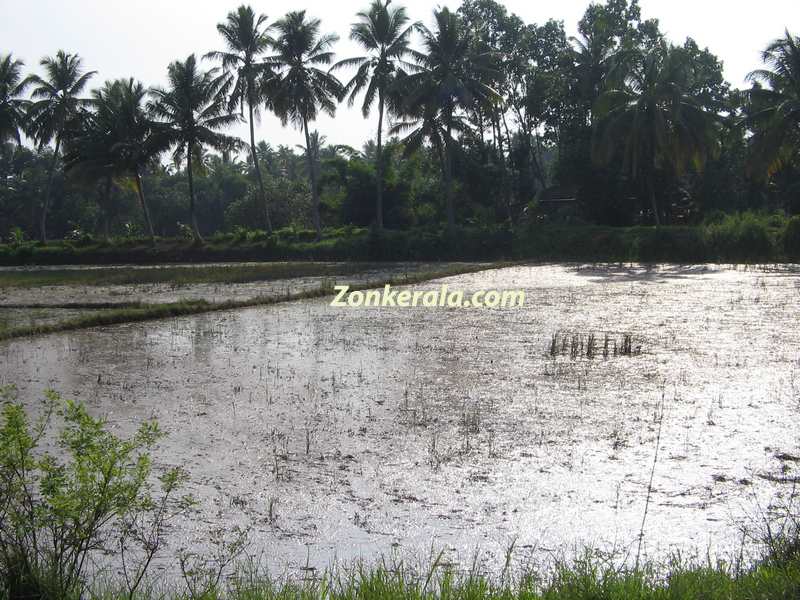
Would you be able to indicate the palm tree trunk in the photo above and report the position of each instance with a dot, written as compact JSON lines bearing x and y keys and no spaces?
{"x":507,"y":190}
{"x":143,"y":203}
{"x":535,"y":153}
{"x":508,"y":133}
{"x":379,"y":166}
{"x":448,"y":180}
{"x":47,"y":191}
{"x":107,"y":208}
{"x":499,"y":140}
{"x":653,"y":202}
{"x":195,"y":228}
{"x":312,"y":175}
{"x":257,"y":167}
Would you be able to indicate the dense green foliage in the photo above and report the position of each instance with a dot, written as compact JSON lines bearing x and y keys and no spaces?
{"x":745,"y":237}
{"x":492,"y":122}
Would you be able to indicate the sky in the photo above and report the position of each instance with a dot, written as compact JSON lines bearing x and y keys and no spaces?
{"x":140,"y":38}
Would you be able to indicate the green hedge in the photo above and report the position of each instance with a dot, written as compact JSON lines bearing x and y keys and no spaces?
{"x":734,"y":238}
{"x":791,"y":239}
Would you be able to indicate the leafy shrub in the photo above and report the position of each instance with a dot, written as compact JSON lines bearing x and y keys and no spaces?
{"x":776,"y":220}
{"x":16,"y":236}
{"x":79,"y":239}
{"x":741,"y":237}
{"x":257,"y":235}
{"x":677,"y":244}
{"x":185,"y":231}
{"x":57,"y":511}
{"x":295,"y":234}
{"x":791,"y":239}
{"x":221,"y":237}
{"x":131,"y":230}
{"x":714,"y":217}
{"x":239,"y":234}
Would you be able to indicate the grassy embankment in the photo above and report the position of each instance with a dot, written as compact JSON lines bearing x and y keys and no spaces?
{"x":737,"y":238}
{"x":182,"y":275}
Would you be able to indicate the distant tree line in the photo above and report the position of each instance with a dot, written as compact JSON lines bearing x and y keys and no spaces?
{"x":479,"y":118}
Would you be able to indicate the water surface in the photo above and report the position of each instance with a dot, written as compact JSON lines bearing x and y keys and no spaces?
{"x":377,"y":430}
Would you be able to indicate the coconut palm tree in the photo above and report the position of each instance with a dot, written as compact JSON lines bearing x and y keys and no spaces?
{"x":775,"y":109}
{"x":316,"y":144}
{"x":596,"y":64}
{"x":428,"y":123}
{"x":55,"y":102}
{"x":246,"y":40}
{"x":190,"y":113}
{"x":653,"y":122}
{"x":385,"y":35}
{"x":12,"y":104}
{"x":118,"y":136}
{"x":452,"y":77}
{"x":87,"y":157}
{"x":302,"y":88}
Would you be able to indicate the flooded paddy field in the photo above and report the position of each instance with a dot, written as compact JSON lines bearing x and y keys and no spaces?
{"x":272,"y":281}
{"x":335,"y":433}
{"x":46,"y":295}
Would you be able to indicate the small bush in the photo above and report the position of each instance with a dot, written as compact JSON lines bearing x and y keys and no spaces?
{"x":776,"y":220}
{"x":742,"y":237}
{"x":791,"y":239}
{"x":185,"y":231}
{"x":91,"y":496}
{"x":676,"y":244}
{"x":16,"y":236}
{"x":714,"y":217}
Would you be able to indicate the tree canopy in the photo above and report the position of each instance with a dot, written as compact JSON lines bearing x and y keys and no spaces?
{"x":479,"y":117}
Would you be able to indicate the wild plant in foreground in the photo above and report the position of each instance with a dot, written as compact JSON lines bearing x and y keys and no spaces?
{"x":60,"y":510}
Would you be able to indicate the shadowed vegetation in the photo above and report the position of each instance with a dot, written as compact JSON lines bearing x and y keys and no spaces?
{"x":483,"y":121}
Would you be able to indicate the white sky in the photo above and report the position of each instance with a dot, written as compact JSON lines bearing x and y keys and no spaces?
{"x":140,"y":37}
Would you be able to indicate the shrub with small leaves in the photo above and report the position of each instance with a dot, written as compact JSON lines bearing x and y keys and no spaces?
{"x":60,"y":508}
{"x":791,"y":239}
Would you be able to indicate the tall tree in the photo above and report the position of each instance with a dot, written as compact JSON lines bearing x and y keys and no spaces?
{"x":303,"y":88}
{"x":427,"y":123}
{"x":118,"y":137}
{"x":191,"y":111}
{"x":87,"y":158}
{"x":56,"y":102}
{"x":775,"y":109}
{"x":384,"y":33}
{"x":246,"y":37}
{"x":611,"y":35}
{"x":12,"y":103}
{"x":452,"y":77}
{"x":653,"y":123}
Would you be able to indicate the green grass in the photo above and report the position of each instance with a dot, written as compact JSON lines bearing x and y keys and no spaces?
{"x":130,"y":313}
{"x":589,"y":578}
{"x":181,"y":275}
